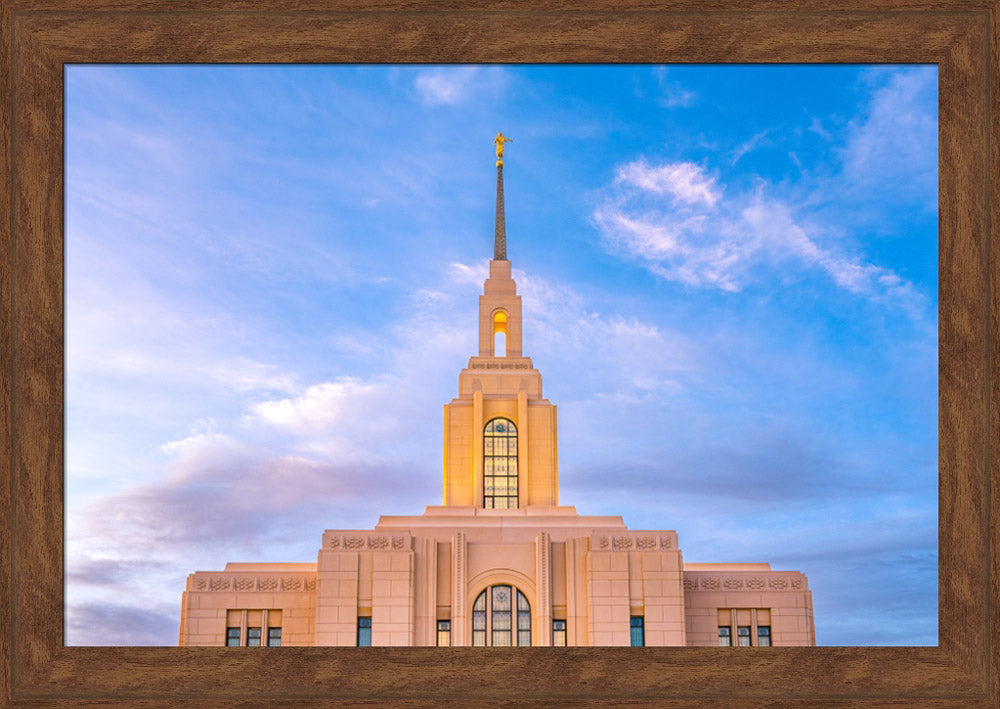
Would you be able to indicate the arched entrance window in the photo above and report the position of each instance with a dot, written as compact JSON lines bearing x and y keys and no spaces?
{"x":501,"y":614}
{"x":500,"y":464}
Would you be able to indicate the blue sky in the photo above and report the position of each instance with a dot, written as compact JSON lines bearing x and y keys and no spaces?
{"x":729,"y":277}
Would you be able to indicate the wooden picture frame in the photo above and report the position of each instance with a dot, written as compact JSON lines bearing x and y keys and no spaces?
{"x":40,"y":36}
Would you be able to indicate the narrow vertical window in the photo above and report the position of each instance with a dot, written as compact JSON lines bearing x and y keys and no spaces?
{"x":364,"y":632}
{"x":253,"y":637}
{"x":523,"y":621}
{"x":479,"y":620}
{"x":274,"y":637}
{"x":232,"y":637}
{"x":501,"y":616}
{"x":559,"y":633}
{"x":500,"y":464}
{"x":638,"y":631}
{"x":444,"y":633}
{"x":743,"y":635}
{"x":764,"y":635}
{"x":725,"y":636}
{"x":500,"y":334}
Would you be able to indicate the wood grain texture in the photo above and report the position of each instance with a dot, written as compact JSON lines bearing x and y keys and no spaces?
{"x":38,"y":37}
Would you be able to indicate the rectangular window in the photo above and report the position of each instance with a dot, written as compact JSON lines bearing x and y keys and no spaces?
{"x":274,"y":637}
{"x":764,"y":635}
{"x":232,"y":637}
{"x":253,"y":637}
{"x":364,"y":632}
{"x":743,"y":635}
{"x":444,"y":633}
{"x":638,"y":635}
{"x":559,"y":633}
{"x":725,"y":636}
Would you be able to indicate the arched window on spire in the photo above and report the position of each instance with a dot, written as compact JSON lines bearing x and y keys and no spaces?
{"x":500,"y":464}
{"x":499,"y":334}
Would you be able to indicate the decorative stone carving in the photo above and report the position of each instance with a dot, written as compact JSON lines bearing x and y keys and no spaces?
{"x":666,"y":542}
{"x":756,"y":583}
{"x":310,"y":584}
{"x":733,"y":583}
{"x":645,"y":543}
{"x":245,"y":583}
{"x":778,"y":583}
{"x":398,"y":542}
{"x":201,"y":583}
{"x":604,"y":543}
{"x":690,"y":584}
{"x":378,"y":542}
{"x":335,"y":542}
{"x":291,"y":584}
{"x":354,"y":542}
{"x":219,"y":583}
{"x":710,"y":583}
{"x":797,"y":583}
{"x":620,"y":543}
{"x":268,"y":584}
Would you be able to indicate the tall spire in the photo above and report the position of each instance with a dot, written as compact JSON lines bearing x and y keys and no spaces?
{"x":500,"y":227}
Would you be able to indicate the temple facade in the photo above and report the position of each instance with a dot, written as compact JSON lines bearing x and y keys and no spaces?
{"x":500,"y":562}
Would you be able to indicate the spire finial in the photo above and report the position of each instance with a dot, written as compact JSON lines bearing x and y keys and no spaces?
{"x":499,"y":141}
{"x":500,"y":229}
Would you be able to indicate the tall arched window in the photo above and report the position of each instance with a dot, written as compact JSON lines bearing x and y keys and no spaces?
{"x":499,"y":334}
{"x":500,"y":464}
{"x":494,"y":615}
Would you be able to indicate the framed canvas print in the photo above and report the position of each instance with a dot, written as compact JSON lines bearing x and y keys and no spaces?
{"x":54,"y":103}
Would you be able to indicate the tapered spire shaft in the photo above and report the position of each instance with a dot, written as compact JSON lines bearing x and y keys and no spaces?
{"x":500,"y":228}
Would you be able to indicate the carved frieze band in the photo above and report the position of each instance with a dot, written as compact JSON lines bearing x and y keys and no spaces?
{"x":743,"y":582}
{"x":350,"y":542}
{"x":638,"y":542}
{"x":503,"y":365}
{"x":253,"y":583}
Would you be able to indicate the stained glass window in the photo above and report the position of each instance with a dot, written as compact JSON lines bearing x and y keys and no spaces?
{"x":764,"y":635}
{"x":500,"y":464}
{"x":743,"y":635}
{"x":523,"y":621}
{"x":725,"y":636}
{"x":479,"y":620}
{"x":495,"y":608}
{"x":444,"y":633}
{"x":559,"y":633}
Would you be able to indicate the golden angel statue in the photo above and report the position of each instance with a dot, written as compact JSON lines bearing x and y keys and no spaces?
{"x":499,"y":141}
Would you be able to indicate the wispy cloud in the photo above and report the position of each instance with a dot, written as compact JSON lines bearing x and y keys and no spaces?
{"x":745,"y":147}
{"x":681,"y":224}
{"x":453,"y":86}
{"x":672,"y":94}
{"x":894,"y":143}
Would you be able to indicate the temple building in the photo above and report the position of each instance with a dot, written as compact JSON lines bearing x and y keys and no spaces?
{"x":500,"y":562}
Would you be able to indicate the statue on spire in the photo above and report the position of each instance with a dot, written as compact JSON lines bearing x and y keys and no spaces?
{"x":499,"y":141}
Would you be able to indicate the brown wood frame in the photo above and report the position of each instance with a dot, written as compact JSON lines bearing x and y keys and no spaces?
{"x":39,"y":36}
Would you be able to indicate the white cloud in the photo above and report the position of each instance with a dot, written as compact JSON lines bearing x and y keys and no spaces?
{"x":683,"y":181}
{"x":894,"y":145}
{"x":674,"y":220}
{"x":749,"y":145}
{"x":455,"y":85}
{"x":672,"y":94}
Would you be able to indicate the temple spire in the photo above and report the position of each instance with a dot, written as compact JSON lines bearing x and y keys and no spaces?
{"x":500,"y":228}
